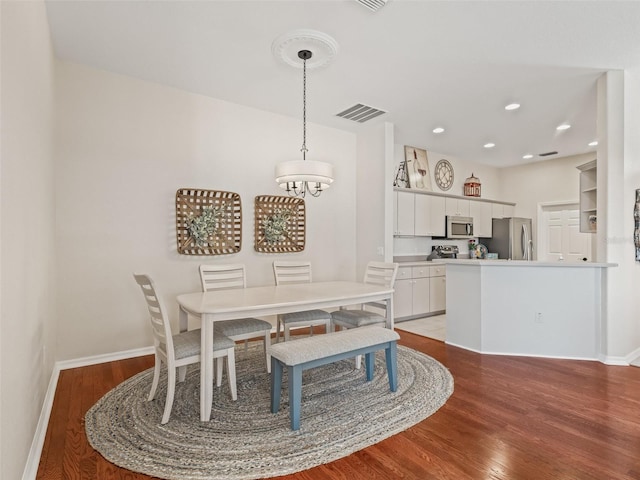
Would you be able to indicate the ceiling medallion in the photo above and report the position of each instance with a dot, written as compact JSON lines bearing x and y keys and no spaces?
{"x":286,"y":47}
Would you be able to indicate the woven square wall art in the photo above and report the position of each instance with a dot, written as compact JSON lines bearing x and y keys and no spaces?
{"x":279,"y":224}
{"x":208,"y":222}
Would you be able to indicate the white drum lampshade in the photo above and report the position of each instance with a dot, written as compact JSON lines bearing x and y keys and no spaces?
{"x":295,"y":172}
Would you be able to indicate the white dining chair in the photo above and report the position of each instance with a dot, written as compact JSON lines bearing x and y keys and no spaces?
{"x":178,"y":351}
{"x":291,"y":272}
{"x":231,"y":276}
{"x":376,"y":273}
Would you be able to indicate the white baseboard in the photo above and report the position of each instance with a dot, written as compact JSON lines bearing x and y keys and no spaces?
{"x":530,"y":355}
{"x":634,"y":358}
{"x":104,"y":358}
{"x":33,"y":460}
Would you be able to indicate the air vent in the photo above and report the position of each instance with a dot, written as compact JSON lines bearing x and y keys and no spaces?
{"x":546,"y":154}
{"x":373,"y":5}
{"x":360,"y":113}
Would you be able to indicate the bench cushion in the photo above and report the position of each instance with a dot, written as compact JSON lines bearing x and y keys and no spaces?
{"x":322,"y":346}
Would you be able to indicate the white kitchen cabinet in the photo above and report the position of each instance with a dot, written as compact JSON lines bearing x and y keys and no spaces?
{"x":423,"y":214}
{"x":429,"y":216}
{"x":404,"y":209}
{"x":502,"y":210}
{"x":420,"y":291}
{"x":497,"y":210}
{"x":456,"y":206}
{"x":509,"y":211}
{"x":403,"y":293}
{"x":412,"y":292}
{"x":481,"y":212}
{"x":437,"y":289}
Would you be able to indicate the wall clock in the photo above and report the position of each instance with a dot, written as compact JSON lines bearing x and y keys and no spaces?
{"x":444,"y":174}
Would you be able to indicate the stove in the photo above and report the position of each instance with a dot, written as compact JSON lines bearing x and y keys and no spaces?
{"x":446,"y":251}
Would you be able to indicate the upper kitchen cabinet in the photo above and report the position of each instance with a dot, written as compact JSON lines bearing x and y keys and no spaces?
{"x":404,"y":208}
{"x":429,"y":216}
{"x":588,"y":197}
{"x":481,"y":212}
{"x":502,"y":210}
{"x":423,"y":214}
{"x":458,"y":207}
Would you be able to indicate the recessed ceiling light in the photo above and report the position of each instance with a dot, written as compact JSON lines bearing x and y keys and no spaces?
{"x":564,"y":126}
{"x":527,"y":156}
{"x":594,"y":144}
{"x":512,"y":106}
{"x":489,"y":145}
{"x":438,"y":130}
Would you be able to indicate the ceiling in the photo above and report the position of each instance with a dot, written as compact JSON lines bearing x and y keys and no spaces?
{"x":453,"y":64}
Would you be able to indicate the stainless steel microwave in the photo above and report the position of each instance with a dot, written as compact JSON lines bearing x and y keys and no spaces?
{"x":459,"y":227}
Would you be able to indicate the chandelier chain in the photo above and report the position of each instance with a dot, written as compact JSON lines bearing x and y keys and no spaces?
{"x":304,"y":109}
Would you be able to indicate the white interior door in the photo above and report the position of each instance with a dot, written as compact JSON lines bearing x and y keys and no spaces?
{"x":560,"y":235}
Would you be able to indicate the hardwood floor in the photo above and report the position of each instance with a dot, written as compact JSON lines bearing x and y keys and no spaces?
{"x":508,"y":418}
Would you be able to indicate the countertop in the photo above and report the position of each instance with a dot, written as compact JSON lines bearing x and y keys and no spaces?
{"x":525,"y":263}
{"x":419,"y":263}
{"x":501,"y":263}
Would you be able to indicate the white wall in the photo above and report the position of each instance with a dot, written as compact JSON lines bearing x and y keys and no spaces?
{"x":529,"y":185}
{"x":618,"y":178}
{"x":124,"y":147}
{"x":27,"y":242}
{"x":371,"y":185}
{"x":540,"y":182}
{"x":625,"y":335}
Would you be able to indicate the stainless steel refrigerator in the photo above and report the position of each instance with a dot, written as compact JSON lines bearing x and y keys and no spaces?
{"x":512,"y":238}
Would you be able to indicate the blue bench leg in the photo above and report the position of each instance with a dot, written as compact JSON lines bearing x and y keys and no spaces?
{"x":369,"y":358}
{"x":392,"y":365}
{"x":295,"y":395}
{"x":276,"y":384}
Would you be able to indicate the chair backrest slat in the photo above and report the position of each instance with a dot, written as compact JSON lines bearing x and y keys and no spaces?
{"x":222,"y":277}
{"x":292,"y":272}
{"x":160,"y":325}
{"x":381,"y":273}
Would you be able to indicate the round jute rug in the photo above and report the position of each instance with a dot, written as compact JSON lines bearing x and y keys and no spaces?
{"x":341,"y":413}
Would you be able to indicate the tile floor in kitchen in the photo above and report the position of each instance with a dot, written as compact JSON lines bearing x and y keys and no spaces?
{"x":432,"y":327}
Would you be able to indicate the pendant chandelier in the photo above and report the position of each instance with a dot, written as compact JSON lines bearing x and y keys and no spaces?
{"x":299,"y":177}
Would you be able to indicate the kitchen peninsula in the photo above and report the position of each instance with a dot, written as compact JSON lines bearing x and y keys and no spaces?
{"x":509,"y":307}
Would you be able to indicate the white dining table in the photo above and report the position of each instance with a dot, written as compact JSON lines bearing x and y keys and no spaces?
{"x":269,"y":300}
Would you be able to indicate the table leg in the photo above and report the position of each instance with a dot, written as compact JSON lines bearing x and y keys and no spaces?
{"x":183,"y":318}
{"x":389,"y":313}
{"x":206,"y":368}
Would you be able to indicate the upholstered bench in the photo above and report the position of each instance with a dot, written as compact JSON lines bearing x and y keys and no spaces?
{"x":298,"y":355}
